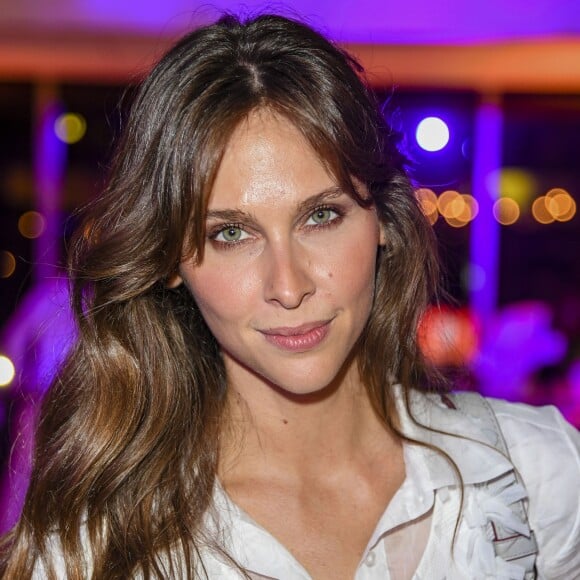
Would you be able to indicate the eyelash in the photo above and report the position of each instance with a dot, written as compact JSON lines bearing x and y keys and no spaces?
{"x":215,"y":232}
{"x":334,"y":221}
{"x":331,"y":222}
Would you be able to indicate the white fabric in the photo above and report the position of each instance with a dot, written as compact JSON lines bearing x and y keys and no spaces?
{"x":413,"y":539}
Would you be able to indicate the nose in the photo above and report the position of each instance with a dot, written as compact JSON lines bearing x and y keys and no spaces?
{"x":288,"y":281}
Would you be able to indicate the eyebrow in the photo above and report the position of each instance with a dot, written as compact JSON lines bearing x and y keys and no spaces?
{"x":236,"y":215}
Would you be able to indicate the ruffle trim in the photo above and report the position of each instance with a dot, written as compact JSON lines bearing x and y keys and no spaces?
{"x":487,"y":507}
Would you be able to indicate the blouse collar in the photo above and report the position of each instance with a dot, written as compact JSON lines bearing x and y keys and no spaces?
{"x":466,"y":440}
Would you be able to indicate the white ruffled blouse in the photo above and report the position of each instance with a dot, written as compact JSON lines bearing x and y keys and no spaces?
{"x":414,"y":537}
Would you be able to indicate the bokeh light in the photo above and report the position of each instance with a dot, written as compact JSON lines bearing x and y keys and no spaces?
{"x":473,"y":277}
{"x":448,"y":203}
{"x":560,"y":204}
{"x":470,"y":208}
{"x":448,"y":336}
{"x":457,"y":209}
{"x":6,"y":371}
{"x":70,"y":127}
{"x":432,"y":134}
{"x":428,"y":202}
{"x":31,"y":224}
{"x":540,"y":211}
{"x":506,"y":211}
{"x":514,"y":183}
{"x":7,"y":264}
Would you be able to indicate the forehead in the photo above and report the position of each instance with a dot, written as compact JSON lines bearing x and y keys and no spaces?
{"x":267,"y":162}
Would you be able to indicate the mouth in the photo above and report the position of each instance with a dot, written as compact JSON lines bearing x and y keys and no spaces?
{"x":298,"y":338}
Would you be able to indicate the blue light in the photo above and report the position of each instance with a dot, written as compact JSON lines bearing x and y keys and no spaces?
{"x":432,"y":134}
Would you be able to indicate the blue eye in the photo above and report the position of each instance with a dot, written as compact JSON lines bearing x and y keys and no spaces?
{"x":322,"y":216}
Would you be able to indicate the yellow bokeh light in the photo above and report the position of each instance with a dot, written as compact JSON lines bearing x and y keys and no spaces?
{"x":70,"y":127}
{"x":515,"y":183}
{"x":31,"y":224}
{"x":6,"y":371}
{"x":506,"y":211}
{"x":540,"y":211}
{"x":7,"y":264}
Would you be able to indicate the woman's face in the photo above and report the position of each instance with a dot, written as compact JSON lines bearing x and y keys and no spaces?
{"x":287,"y":279}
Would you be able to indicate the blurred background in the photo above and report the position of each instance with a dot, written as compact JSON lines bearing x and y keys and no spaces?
{"x":485,"y":94}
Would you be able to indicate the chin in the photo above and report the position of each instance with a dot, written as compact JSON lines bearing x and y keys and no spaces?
{"x":300,"y":378}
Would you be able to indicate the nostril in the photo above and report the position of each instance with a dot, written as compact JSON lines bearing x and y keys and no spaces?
{"x":289,"y":286}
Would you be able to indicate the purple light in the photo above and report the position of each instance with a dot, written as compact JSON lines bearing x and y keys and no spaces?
{"x":485,"y":229}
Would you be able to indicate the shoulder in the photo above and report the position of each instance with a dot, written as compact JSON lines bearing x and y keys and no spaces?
{"x":542,"y":447}
{"x":545,"y":449}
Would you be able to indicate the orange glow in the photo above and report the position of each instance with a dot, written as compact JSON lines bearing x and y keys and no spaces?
{"x":455,"y":222}
{"x":432,"y":218}
{"x":567,"y":216}
{"x":556,"y":191}
{"x":540,"y":211}
{"x":506,"y":211}
{"x":448,"y":337}
{"x":457,"y":209}
{"x":31,"y":224}
{"x":450,"y":204}
{"x":7,"y":264}
{"x":469,"y":208}
{"x":428,"y":202}
{"x":560,"y":204}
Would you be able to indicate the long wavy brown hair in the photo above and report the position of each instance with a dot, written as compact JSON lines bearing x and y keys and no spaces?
{"x":127,"y":442}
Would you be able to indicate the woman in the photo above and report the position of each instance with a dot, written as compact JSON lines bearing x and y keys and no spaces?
{"x":245,"y":399}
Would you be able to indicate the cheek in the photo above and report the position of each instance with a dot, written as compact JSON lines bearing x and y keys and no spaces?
{"x":350,"y":268}
{"x":222,"y":294}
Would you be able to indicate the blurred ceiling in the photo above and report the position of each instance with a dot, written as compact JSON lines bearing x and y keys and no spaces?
{"x":506,"y":45}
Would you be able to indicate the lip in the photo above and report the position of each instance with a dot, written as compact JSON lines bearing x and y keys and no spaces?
{"x":298,"y":338}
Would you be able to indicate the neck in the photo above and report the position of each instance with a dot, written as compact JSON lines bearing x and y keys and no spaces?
{"x":272,"y":432}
